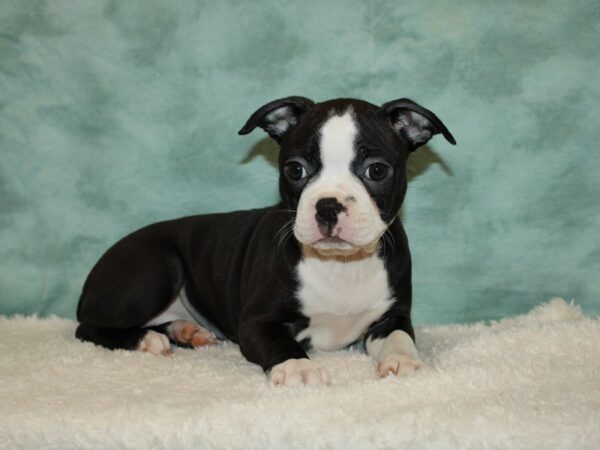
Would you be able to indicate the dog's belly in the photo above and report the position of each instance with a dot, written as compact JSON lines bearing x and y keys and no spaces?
{"x":175,"y":311}
{"x":341,"y":299}
{"x":181,"y":309}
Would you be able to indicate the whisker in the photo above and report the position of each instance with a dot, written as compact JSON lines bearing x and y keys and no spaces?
{"x":389,"y":241}
{"x":284,"y":227}
{"x":392,"y":240}
{"x":285,"y":236}
{"x":385,"y":242}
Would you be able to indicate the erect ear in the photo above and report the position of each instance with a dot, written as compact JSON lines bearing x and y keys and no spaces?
{"x":415,"y":123}
{"x":278,"y":116}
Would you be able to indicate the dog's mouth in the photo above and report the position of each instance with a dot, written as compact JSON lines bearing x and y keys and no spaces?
{"x":334,"y":246}
{"x":332,"y":243}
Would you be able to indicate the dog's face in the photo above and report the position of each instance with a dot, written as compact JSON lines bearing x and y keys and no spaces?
{"x":343,"y":165}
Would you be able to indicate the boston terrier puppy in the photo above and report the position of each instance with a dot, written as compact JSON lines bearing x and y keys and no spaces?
{"x":327,"y":266}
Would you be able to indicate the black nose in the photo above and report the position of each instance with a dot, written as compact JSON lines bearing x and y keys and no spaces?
{"x":327,"y":212}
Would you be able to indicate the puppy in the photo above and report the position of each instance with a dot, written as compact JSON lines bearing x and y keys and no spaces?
{"x":325,"y":267}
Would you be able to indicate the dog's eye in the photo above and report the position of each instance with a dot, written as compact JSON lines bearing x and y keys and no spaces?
{"x":295,"y":171}
{"x":377,"y":171}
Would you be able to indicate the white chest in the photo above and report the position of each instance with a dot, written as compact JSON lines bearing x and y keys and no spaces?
{"x":341,"y":299}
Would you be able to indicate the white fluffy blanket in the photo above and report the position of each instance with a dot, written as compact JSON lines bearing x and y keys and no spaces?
{"x":531,"y":381}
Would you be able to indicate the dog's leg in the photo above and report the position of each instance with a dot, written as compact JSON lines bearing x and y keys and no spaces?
{"x":131,"y":284}
{"x":393,"y":348}
{"x":189,"y":334}
{"x":128,"y":339}
{"x":395,"y":354}
{"x":272,"y":346}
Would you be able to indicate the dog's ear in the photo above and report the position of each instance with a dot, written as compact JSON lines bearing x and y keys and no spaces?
{"x":278,"y":116}
{"x":415,"y":123}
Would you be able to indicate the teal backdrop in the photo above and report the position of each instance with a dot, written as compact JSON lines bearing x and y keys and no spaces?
{"x":115,"y":114}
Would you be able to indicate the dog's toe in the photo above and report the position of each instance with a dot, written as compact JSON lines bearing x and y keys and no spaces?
{"x":295,"y":372}
{"x":399,"y":364}
{"x":155,"y":343}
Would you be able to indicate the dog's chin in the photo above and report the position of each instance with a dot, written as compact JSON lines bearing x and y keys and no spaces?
{"x":332,"y":247}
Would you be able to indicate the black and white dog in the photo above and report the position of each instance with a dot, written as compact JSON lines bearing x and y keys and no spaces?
{"x":345,"y":274}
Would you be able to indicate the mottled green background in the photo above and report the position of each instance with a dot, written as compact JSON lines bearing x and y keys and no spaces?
{"x":115,"y":114}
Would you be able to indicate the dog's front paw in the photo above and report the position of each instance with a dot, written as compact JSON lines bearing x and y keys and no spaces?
{"x":399,"y":364}
{"x":294,"y":372}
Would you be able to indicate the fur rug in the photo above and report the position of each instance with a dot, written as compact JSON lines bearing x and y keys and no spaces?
{"x":530,"y":381}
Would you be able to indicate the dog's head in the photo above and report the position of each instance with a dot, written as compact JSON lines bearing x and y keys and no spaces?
{"x":343,"y":165}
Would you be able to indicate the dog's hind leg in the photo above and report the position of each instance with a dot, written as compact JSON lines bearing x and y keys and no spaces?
{"x":129,"y":286}
{"x":127,"y":339}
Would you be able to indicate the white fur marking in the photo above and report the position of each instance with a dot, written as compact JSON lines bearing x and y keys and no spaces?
{"x":341,"y":298}
{"x":337,"y":145}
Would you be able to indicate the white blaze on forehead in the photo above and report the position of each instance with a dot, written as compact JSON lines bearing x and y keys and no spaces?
{"x":337,"y":143}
